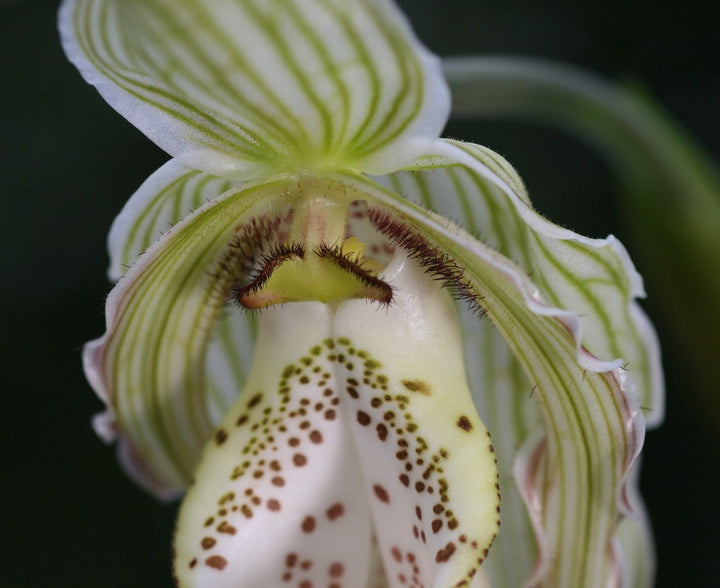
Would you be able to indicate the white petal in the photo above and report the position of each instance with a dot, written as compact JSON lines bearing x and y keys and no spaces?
{"x":503,"y":396}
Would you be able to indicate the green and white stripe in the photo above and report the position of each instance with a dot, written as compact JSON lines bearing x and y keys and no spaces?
{"x":503,"y":397}
{"x":166,"y":197}
{"x":251,"y":87}
{"x":591,"y":277}
{"x":592,"y":419}
{"x":151,"y":364}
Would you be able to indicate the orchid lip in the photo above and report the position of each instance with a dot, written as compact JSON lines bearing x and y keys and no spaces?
{"x":346,"y":432}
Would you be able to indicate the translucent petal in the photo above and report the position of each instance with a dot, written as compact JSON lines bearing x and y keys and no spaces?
{"x":278,"y":498}
{"x":427,"y":458}
{"x":249,"y":87}
{"x":503,"y":396}
{"x":165,"y":198}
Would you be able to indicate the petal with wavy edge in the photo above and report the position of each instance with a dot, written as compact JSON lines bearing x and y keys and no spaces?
{"x":427,"y":458}
{"x":634,"y":548}
{"x":592,"y":277}
{"x":251,"y":87}
{"x":590,"y":408}
{"x":279,"y":497}
{"x":167,"y":196}
{"x":149,"y":367}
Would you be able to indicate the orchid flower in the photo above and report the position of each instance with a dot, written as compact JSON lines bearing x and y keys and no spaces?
{"x":303,"y":342}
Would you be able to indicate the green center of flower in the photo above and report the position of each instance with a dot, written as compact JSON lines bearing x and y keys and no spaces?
{"x":317,"y":262}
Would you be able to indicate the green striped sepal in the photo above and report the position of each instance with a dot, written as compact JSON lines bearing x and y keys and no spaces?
{"x":248,"y":88}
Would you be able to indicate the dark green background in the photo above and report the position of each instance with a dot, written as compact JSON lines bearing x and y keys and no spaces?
{"x":69,"y":516}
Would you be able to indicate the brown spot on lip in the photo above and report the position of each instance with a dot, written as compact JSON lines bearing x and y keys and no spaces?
{"x":226,"y":498}
{"x":363,"y":418}
{"x":335,"y":511}
{"x":227,"y":528}
{"x":220,"y":436}
{"x":464,"y":423}
{"x":308,"y":524}
{"x":216,"y":561}
{"x":445,"y":553}
{"x":382,"y":432}
{"x":207,"y":542}
{"x":381,"y":493}
{"x":417,"y":386}
{"x":299,"y":459}
{"x":397,"y":555}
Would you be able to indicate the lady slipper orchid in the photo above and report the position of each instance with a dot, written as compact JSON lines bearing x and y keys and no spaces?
{"x":332,"y":438}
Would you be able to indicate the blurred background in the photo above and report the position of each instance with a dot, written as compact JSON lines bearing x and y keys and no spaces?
{"x":69,"y":515}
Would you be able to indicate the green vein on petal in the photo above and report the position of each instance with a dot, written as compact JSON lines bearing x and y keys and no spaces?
{"x":167,"y":196}
{"x":246,"y":88}
{"x":503,"y":397}
{"x":592,"y":277}
{"x":593,"y":425}
{"x":229,"y":359}
{"x":150,"y":364}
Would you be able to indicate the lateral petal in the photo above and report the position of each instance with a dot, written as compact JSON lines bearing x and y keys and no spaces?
{"x":251,"y":87}
{"x":167,"y":196}
{"x":278,"y":497}
{"x":592,"y":419}
{"x":150,"y":366}
{"x":594,"y":278}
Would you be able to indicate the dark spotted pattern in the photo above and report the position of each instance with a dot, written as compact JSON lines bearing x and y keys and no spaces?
{"x":355,"y":383}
